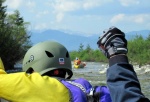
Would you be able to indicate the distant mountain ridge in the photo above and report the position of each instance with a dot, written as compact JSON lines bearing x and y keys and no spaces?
{"x":132,"y":34}
{"x":72,"y":41}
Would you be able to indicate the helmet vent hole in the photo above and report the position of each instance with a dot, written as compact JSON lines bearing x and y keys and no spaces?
{"x":49,"y":54}
{"x":67,"y":55}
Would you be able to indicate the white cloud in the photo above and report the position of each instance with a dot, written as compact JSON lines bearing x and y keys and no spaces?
{"x":61,"y":7}
{"x":43,"y":13}
{"x":117,"y":18}
{"x":141,"y":18}
{"x":59,"y":17}
{"x":57,"y":8}
{"x":41,"y":26}
{"x":65,"y":6}
{"x":88,"y":4}
{"x":137,"y":19}
{"x":72,"y":5}
{"x":31,"y":4}
{"x":13,"y":4}
{"x":129,"y":2}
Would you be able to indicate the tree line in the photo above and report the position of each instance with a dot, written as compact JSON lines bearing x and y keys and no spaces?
{"x":138,"y":52}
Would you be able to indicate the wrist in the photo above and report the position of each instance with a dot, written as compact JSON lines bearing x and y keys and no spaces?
{"x":119,"y":58}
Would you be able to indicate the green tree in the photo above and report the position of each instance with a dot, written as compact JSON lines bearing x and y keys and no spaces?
{"x":81,"y":47}
{"x":14,"y":38}
{"x":89,"y":53}
{"x":88,"y":48}
{"x":2,"y":14}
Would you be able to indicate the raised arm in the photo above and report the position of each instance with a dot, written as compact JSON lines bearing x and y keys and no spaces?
{"x":122,"y":80}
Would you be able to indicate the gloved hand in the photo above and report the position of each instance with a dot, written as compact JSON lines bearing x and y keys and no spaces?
{"x":112,"y":42}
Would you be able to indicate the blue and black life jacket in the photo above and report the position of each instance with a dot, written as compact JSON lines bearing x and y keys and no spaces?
{"x":82,"y":91}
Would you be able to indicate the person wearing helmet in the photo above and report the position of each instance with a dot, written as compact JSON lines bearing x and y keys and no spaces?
{"x":122,"y":80}
{"x":47,"y":56}
{"x":46,"y":77}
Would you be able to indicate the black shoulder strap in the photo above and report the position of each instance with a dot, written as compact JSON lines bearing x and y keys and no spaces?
{"x":93,"y":96}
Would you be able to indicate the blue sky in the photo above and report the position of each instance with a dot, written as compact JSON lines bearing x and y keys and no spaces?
{"x":84,"y":16}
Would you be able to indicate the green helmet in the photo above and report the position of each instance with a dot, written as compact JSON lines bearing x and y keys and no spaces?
{"x":47,"y":56}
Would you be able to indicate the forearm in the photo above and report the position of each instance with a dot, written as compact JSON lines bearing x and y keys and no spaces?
{"x":122,"y":81}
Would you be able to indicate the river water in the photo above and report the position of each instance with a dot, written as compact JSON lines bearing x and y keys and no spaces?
{"x":91,"y":72}
{"x":95,"y":73}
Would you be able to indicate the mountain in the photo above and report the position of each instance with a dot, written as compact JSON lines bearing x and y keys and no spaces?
{"x":132,"y":34}
{"x":72,"y":41}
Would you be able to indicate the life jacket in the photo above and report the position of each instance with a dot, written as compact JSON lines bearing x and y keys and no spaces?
{"x":82,"y":91}
{"x":77,"y":62}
